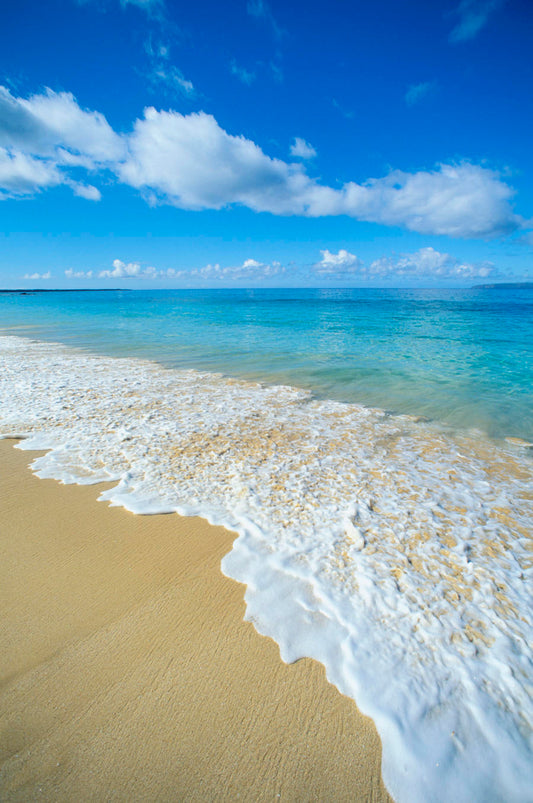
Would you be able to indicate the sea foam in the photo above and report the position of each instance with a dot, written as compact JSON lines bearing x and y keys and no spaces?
{"x":395,"y":552}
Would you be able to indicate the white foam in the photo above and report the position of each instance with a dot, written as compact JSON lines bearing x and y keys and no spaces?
{"x":394,"y":552}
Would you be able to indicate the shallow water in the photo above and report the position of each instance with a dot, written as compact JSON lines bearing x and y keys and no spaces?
{"x":462,"y":357}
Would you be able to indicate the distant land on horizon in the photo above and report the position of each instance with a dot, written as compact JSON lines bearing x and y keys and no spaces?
{"x":29,"y":291}
{"x":504,"y":286}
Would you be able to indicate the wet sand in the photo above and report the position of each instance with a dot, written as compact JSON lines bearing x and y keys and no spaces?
{"x":127,"y":672}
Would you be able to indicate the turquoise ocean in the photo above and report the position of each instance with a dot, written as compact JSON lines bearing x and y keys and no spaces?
{"x":372,"y":448}
{"x":462,"y":357}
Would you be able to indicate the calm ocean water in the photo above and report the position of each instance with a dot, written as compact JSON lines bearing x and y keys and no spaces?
{"x":379,"y":475}
{"x":461,"y":357}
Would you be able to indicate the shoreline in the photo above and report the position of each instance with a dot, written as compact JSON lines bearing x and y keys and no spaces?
{"x":129,"y":673}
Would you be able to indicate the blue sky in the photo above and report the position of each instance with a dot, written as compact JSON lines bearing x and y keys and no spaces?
{"x":151,"y":143}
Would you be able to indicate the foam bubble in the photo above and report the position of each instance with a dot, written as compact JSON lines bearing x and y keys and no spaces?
{"x":392,"y":550}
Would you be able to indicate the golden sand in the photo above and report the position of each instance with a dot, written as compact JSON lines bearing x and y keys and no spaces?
{"x":127,"y":672}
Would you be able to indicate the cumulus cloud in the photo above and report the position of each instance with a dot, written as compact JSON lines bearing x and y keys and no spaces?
{"x":416,"y":92}
{"x":189,"y":161}
{"x":461,"y":200}
{"x":473,"y":16}
{"x":130,"y":270}
{"x":78,"y":274}
{"x":245,"y":76}
{"x":38,"y":276}
{"x":46,"y":135}
{"x":429,"y":264}
{"x":341,"y":263}
{"x":86,"y":191}
{"x":21,"y":174}
{"x":53,"y":124}
{"x":302,"y":149}
{"x":426,"y":263}
{"x":250,"y":271}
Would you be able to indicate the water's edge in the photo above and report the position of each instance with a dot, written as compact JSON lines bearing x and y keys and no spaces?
{"x":333,"y":505}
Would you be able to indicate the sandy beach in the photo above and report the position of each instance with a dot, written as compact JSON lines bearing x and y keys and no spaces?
{"x":127,"y":672}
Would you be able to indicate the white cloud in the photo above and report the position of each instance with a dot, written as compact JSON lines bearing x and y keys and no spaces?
{"x":473,"y":16}
{"x":42,"y":137}
{"x":189,"y":161}
{"x":341,"y":263}
{"x":78,"y":274}
{"x":21,"y":174}
{"x":416,"y":92}
{"x":462,"y":200}
{"x":250,"y":271}
{"x":302,"y":149}
{"x":54,"y":120}
{"x":38,"y":276}
{"x":245,"y":76}
{"x":192,"y":163}
{"x":86,"y":191}
{"x":427,"y":263}
{"x":130,"y":270}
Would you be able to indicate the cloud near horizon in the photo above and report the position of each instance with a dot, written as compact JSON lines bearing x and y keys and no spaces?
{"x":426,"y":263}
{"x":78,"y":274}
{"x":190,"y":162}
{"x":38,"y":276}
{"x":130,"y":270}
{"x":338,"y":264}
{"x":251,"y":270}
